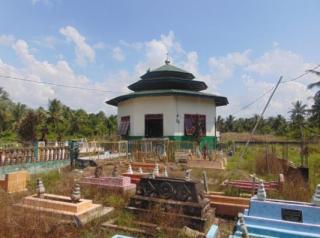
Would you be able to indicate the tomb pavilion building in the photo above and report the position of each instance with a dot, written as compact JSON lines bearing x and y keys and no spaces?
{"x":168,"y":103}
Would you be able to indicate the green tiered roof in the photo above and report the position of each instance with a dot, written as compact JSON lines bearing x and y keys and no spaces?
{"x":168,"y":80}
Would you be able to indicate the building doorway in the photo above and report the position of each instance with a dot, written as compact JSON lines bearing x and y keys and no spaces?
{"x":153,"y":125}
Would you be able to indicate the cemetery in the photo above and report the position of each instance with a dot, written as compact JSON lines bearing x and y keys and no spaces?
{"x":165,"y":175}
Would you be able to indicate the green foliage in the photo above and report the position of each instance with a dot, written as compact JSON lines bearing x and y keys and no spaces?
{"x":28,"y":126}
{"x":115,"y":201}
{"x":49,"y":179}
{"x":57,"y":123}
{"x":125,"y":219}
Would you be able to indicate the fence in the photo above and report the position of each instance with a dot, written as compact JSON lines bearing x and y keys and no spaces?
{"x":103,"y":149}
{"x":160,"y":149}
{"x":14,"y":156}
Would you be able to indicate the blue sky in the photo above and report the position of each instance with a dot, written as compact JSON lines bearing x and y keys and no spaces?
{"x":239,"y":48}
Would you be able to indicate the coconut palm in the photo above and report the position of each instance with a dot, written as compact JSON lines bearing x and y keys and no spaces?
{"x":298,"y":112}
{"x":3,"y":94}
{"x":316,"y":84}
{"x":18,"y":111}
{"x":55,"y":117}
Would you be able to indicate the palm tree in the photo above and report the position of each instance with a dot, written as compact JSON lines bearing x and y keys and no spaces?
{"x":43,"y":126}
{"x":220,"y":124}
{"x":55,"y":117}
{"x":298,"y":121}
{"x":298,"y":112}
{"x":229,"y":123}
{"x":18,"y":112}
{"x":315,"y":111}
{"x":112,"y":124}
{"x":316,"y":84}
{"x":4,"y":94}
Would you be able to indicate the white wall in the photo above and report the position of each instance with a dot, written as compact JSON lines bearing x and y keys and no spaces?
{"x":169,"y":106}
{"x":193,"y":105}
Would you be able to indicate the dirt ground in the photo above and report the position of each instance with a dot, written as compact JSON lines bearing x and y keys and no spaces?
{"x":16,"y":223}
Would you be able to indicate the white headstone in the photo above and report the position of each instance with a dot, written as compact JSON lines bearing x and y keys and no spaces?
{"x":165,"y":173}
{"x":40,"y":189}
{"x":156,"y":170}
{"x":243,"y":227}
{"x":261,"y":194}
{"x":130,"y":171}
{"x":188,"y":174}
{"x":316,"y":196}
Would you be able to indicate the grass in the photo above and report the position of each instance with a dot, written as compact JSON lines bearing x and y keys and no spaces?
{"x":19,"y":224}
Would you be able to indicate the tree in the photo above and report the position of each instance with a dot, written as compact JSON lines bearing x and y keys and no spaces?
{"x":4,"y":95}
{"x":5,"y":115}
{"x":315,"y":111}
{"x":220,"y":124}
{"x":316,"y":84}
{"x":279,"y":125}
{"x":55,"y":117}
{"x":27,"y":130}
{"x":18,"y":111}
{"x":42,"y":124}
{"x":112,"y":124}
{"x":297,"y":116}
{"x":229,"y":123}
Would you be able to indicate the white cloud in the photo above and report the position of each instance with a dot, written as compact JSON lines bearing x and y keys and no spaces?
{"x":278,"y":62}
{"x":237,"y":75}
{"x":223,"y":67}
{"x":84,"y":52}
{"x":156,"y":50}
{"x":6,"y":40}
{"x":118,"y":54}
{"x":60,"y":72}
{"x":47,"y":41}
{"x":262,"y":73}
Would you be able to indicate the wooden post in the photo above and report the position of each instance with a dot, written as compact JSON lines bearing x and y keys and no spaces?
{"x":205,"y":182}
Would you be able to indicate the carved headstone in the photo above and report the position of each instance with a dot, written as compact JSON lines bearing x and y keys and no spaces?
{"x":140,"y":170}
{"x":40,"y":189}
{"x":261,"y":194}
{"x":98,"y":172}
{"x":130,"y":171}
{"x":75,"y":195}
{"x":156,"y":170}
{"x":174,"y":196}
{"x":188,"y":174}
{"x":243,"y":227}
{"x":316,"y":196}
{"x":165,"y":173}
{"x":115,"y":171}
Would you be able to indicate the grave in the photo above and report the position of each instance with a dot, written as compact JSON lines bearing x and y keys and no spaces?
{"x":247,"y":185}
{"x":73,"y":208}
{"x":15,"y":182}
{"x":227,"y":206}
{"x":116,"y":183}
{"x":136,"y":175}
{"x":181,"y":198}
{"x":279,"y":218}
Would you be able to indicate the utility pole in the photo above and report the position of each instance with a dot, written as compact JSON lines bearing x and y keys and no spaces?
{"x":258,"y":121}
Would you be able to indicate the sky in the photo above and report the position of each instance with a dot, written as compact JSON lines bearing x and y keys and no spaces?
{"x":239,"y":48}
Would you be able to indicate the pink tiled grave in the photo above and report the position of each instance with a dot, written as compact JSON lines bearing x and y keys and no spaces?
{"x":120,"y":183}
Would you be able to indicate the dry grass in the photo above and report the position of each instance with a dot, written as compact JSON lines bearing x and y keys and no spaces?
{"x":233,"y":136}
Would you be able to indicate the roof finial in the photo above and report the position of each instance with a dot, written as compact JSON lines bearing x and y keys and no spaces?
{"x":167,"y":61}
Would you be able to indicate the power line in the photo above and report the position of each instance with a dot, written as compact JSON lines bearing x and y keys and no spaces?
{"x":301,"y":75}
{"x":265,"y":93}
{"x":58,"y":85}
